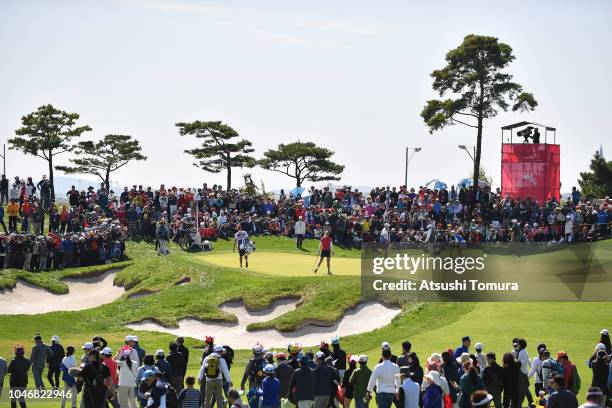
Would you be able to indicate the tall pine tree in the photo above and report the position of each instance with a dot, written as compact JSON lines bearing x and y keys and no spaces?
{"x":219,"y":150}
{"x":597,"y":183}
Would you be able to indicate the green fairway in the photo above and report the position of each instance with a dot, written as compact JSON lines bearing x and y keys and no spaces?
{"x":214,"y":279}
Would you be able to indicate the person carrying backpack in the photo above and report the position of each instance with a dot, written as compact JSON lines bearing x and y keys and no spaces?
{"x":96,"y":381}
{"x":536,"y":370}
{"x":162,"y":233}
{"x":55,"y":362}
{"x":213,"y":371}
{"x":570,"y":372}
{"x":154,"y":389}
{"x":550,"y":368}
{"x":339,"y":356}
{"x":254,"y":369}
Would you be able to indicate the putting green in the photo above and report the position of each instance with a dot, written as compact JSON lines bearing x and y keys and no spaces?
{"x":283,"y":264}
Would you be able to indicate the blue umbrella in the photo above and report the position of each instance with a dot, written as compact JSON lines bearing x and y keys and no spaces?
{"x":468,"y":183}
{"x":436,"y":184}
{"x":297,"y":191}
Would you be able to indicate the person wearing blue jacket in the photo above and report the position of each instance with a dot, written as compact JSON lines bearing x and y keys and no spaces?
{"x":270,"y":389}
{"x":464,"y":347}
{"x":68,"y":249}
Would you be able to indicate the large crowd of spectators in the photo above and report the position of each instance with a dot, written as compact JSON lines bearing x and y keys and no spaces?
{"x":75,"y":235}
{"x":94,"y":219}
{"x":326,"y":376}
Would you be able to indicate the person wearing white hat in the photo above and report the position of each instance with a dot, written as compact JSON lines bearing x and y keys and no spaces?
{"x":55,"y":363}
{"x":515,"y":238}
{"x":130,"y":341}
{"x":605,"y":340}
{"x":87,"y":348}
{"x":347,"y":388}
{"x":139,"y":350}
{"x":300,"y":231}
{"x":163,"y":366}
{"x":481,"y":357}
{"x":481,"y":399}
{"x":432,"y":394}
{"x":106,"y":356}
{"x":359,"y":380}
{"x":386,"y":346}
{"x":384,"y":378}
{"x":323,"y":380}
{"x":213,"y":371}
{"x":127,"y":378}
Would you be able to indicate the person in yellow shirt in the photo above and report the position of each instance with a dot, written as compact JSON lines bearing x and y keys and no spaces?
{"x":13,"y":214}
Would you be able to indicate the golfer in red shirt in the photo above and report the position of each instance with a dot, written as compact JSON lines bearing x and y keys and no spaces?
{"x":325,"y":251}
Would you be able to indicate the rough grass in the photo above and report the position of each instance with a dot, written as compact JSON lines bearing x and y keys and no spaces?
{"x":572,"y":327}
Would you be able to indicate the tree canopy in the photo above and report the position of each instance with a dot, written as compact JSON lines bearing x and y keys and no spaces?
{"x":103,"y":157}
{"x":46,"y":133}
{"x":219,"y":150}
{"x":302,"y":161}
{"x":597,"y":183}
{"x":478,"y":88}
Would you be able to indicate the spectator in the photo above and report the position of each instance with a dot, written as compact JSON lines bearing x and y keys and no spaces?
{"x":384,"y":377}
{"x":39,"y":357}
{"x":561,"y":397}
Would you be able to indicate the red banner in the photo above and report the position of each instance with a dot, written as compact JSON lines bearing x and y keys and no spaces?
{"x":531,"y":170}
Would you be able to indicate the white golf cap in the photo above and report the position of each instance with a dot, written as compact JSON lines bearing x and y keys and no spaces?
{"x":218,"y":349}
{"x":88,"y":346}
{"x":129,"y":338}
{"x":159,"y":352}
{"x":478,"y":346}
{"x":605,"y":332}
{"x":55,"y":338}
{"x":107,"y":351}
{"x":363,"y":358}
{"x":600,"y":347}
{"x":320,"y":354}
{"x":385,"y":345}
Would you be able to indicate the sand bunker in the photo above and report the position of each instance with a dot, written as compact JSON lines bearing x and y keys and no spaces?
{"x":363,"y":318}
{"x":84,"y":293}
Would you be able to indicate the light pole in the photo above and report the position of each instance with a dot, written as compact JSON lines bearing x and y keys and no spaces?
{"x":408,"y":157}
{"x":464,"y":147}
{"x":3,"y":156}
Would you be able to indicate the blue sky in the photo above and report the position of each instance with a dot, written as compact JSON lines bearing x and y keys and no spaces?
{"x":350,"y":75}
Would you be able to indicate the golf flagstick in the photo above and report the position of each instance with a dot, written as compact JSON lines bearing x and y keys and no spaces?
{"x":316,"y":259}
